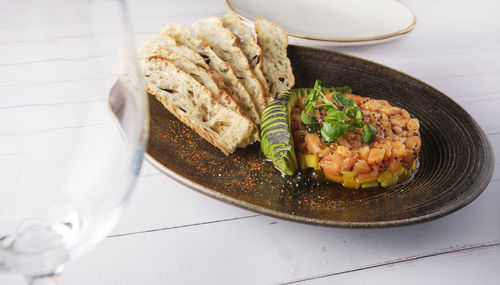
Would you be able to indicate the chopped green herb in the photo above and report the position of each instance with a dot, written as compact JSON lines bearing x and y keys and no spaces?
{"x":351,"y":126}
{"x":352,"y":112}
{"x":348,"y":117}
{"x":337,"y":115}
{"x":359,"y":123}
{"x":343,"y":101}
{"x":333,"y":130}
{"x":359,"y":114}
{"x":308,"y":121}
{"x":368,"y":134}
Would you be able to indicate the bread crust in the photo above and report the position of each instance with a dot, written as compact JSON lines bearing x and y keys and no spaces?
{"x":184,"y":37}
{"x":204,"y":134}
{"x":154,"y":67}
{"x":199,"y":74}
{"x":276,"y":65}
{"x":247,"y":43}
{"x":223,"y":42}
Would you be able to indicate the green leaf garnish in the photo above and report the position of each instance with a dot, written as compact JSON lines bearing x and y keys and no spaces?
{"x":337,"y":115}
{"x":343,"y":113}
{"x":351,"y":112}
{"x":359,"y":114}
{"x":368,"y":134}
{"x":351,"y":126}
{"x":333,"y":130}
{"x":342,"y":100}
{"x":308,"y":121}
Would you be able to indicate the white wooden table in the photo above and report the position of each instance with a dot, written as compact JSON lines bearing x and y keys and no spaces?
{"x":171,"y":234}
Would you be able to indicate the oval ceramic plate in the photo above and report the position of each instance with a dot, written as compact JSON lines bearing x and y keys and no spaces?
{"x":456,"y":162}
{"x":333,"y":22}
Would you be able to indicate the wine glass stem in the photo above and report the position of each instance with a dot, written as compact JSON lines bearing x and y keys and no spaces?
{"x":44,"y":280}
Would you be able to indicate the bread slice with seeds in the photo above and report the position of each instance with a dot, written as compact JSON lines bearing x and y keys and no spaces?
{"x":275,"y":64}
{"x":183,"y":36}
{"x":247,"y":43}
{"x":196,"y":106}
{"x":223,"y":42}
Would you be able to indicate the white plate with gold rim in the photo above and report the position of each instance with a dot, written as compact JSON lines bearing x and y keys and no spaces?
{"x":331,"y":22}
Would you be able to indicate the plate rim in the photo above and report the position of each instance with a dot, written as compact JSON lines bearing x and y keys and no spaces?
{"x":336,"y":40}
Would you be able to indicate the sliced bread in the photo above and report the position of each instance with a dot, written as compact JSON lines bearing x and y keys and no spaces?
{"x":196,"y":106}
{"x":184,"y":37}
{"x":247,"y":43}
{"x":223,"y":42}
{"x":217,"y":78}
{"x":170,"y":44}
{"x":275,"y":64}
{"x":199,"y":74}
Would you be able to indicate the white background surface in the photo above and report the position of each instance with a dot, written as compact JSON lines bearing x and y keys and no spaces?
{"x":173,"y":235}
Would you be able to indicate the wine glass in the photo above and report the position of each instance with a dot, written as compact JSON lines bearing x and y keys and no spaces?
{"x":68,"y":165}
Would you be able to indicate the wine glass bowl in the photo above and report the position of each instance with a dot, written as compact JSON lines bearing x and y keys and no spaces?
{"x":69,"y":170}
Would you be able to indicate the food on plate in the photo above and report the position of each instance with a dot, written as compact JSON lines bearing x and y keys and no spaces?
{"x":200,"y":74}
{"x":214,"y":81}
{"x":196,"y":106}
{"x":223,"y":82}
{"x":246,"y":42}
{"x":353,"y":140}
{"x":275,"y":64}
{"x":276,"y":136}
{"x":223,"y":42}
{"x":184,"y":37}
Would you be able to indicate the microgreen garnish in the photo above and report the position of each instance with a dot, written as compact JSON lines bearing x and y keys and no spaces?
{"x":343,"y":101}
{"x":337,"y":115}
{"x":332,"y":130}
{"x":308,"y":121}
{"x":368,"y":133}
{"x":343,"y":114}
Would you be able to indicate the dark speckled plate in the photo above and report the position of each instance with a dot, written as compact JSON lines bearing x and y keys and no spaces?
{"x":456,"y":163}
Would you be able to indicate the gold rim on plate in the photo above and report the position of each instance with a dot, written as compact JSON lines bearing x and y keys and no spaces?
{"x":368,"y":39}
